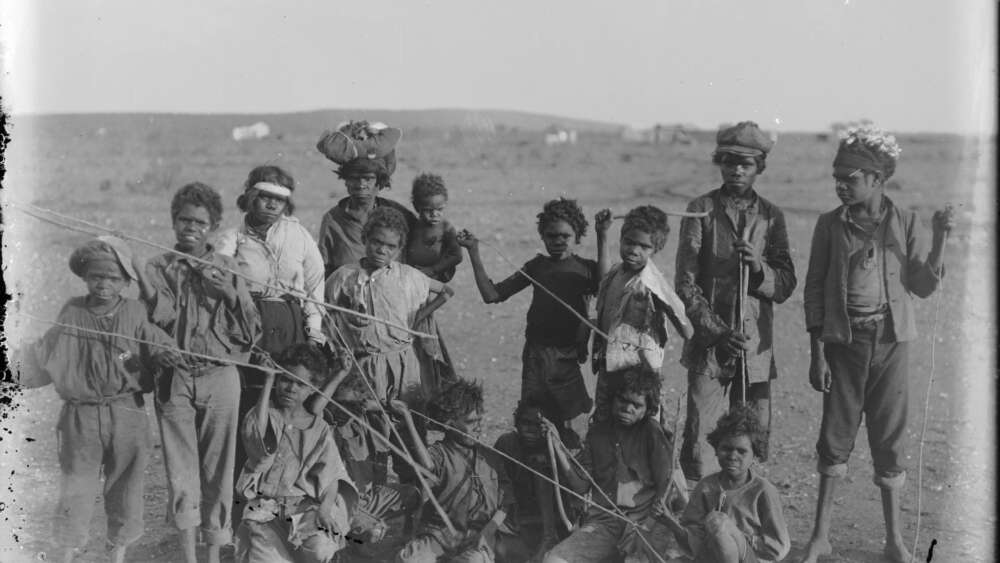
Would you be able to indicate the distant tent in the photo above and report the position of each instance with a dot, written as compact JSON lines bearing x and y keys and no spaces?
{"x":554,"y":135}
{"x":256,"y":131}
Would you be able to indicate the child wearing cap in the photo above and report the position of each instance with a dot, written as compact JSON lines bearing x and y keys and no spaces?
{"x":741,"y":229}
{"x":207,"y":309}
{"x":101,"y":372}
{"x":867,"y":261}
{"x":366,"y":157}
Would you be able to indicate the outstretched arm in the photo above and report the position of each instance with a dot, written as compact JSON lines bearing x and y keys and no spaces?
{"x":487,"y":290}
{"x":420,"y":449}
{"x":602,"y":222}
{"x":319,"y":401}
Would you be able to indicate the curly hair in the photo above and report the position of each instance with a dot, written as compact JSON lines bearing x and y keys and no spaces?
{"x":386,"y":218}
{"x":564,"y":210}
{"x":639,"y":380}
{"x":648,"y":219}
{"x":457,"y":400}
{"x":365,"y":165}
{"x":739,"y":421}
{"x":271,"y":174}
{"x":306,"y":355}
{"x":528,"y":403}
{"x":428,"y":185}
{"x":198,"y":195}
{"x":759,"y":160}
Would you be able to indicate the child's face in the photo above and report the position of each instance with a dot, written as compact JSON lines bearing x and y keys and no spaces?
{"x":738,"y":172}
{"x":192,"y":225}
{"x":629,"y":408}
{"x":267,"y":208}
{"x":854,"y":186}
{"x":361,"y":187}
{"x":559,"y":238}
{"x":105,"y":282}
{"x":431,"y":209}
{"x":735,"y":454}
{"x":471,"y":424}
{"x":382,"y":246}
{"x":636,"y":248}
{"x":290,"y":393}
{"x":528,"y":427}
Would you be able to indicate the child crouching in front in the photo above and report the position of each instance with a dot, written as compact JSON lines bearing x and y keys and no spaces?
{"x":299,"y":497}
{"x":734,"y":516}
{"x":629,"y":458}
{"x":103,"y":426}
{"x":468,"y":481}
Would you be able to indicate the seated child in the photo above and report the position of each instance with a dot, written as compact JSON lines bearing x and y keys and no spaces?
{"x":378,"y":501}
{"x":433,"y":249}
{"x":535,"y":519}
{"x":103,"y":427}
{"x":634,"y":301}
{"x":734,"y":516}
{"x":629,"y":458}
{"x":555,"y":340}
{"x":468,"y":481}
{"x":299,"y":497}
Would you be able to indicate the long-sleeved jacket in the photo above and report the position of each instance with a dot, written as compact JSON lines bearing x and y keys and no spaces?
{"x":905,"y":269}
{"x":707,"y":279}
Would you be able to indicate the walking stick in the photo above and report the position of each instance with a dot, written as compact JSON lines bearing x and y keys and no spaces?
{"x":739,"y":325}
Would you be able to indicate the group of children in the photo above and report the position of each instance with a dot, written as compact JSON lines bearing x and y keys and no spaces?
{"x":333,"y":408}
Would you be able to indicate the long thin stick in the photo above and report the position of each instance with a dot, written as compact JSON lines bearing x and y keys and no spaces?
{"x":555,"y":475}
{"x":675,"y":214}
{"x":34,"y":210}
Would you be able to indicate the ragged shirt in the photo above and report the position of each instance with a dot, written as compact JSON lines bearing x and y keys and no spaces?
{"x":340,"y":231}
{"x":708,"y":273}
{"x":471,"y":485}
{"x":630,"y":464}
{"x":85,"y":367}
{"x":286,"y":258}
{"x":634,"y":309}
{"x":394,"y":293}
{"x":755,"y":508}
{"x":195,"y":315}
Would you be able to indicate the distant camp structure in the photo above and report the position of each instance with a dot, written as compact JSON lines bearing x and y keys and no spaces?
{"x":253,"y":132}
{"x":555,"y":135}
{"x":671,"y":134}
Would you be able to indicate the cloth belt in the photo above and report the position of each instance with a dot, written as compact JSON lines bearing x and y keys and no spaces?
{"x":134,"y":397}
{"x":867,"y":319}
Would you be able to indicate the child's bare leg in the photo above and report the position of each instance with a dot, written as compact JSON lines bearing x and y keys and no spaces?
{"x":895,"y":550}
{"x":117,"y":554}
{"x":188,"y":538}
{"x":721,"y":542}
{"x":819,"y":544}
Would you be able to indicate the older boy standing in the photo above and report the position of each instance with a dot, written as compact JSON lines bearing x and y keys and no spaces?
{"x":741,"y":228}
{"x":866,"y":262}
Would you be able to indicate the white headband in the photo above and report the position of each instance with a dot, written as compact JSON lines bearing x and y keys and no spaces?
{"x":273,"y":189}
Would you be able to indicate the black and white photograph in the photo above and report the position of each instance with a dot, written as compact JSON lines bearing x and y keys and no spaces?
{"x":522,"y":282}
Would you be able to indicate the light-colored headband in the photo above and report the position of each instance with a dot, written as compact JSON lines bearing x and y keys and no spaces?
{"x":272,"y":188}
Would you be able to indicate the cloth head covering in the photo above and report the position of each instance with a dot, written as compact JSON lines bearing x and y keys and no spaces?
{"x":868,"y":148}
{"x":102,"y":249}
{"x":354,"y":139}
{"x":744,"y":139}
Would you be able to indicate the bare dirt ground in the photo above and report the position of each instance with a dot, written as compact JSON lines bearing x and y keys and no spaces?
{"x":498,"y":182}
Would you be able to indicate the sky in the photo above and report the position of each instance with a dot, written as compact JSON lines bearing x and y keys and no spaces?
{"x":909,"y":65}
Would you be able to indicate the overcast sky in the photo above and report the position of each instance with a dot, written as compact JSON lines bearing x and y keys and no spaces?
{"x":910,"y":65}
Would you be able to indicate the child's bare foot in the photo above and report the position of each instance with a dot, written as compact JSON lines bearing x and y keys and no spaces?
{"x":117,"y":554}
{"x":895,"y":551}
{"x":816,"y":548}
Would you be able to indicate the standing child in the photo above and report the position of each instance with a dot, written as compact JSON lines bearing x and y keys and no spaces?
{"x":433,"y":249}
{"x":866,"y":263}
{"x":635,"y":302}
{"x":103,"y":427}
{"x":299,"y":495}
{"x":628,"y":456}
{"x":209,"y":311}
{"x":555,"y":341}
{"x":468,"y":481}
{"x":734,"y":516}
{"x":365,"y":154}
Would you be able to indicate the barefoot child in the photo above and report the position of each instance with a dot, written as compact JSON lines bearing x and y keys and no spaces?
{"x":629,"y":457}
{"x":468,"y":481}
{"x":433,"y":249}
{"x":866,"y":263}
{"x":103,"y":427}
{"x":635,"y":303}
{"x":555,"y":341}
{"x":299,"y":497}
{"x":741,"y":229}
{"x":734,"y":516}
{"x":206,"y":310}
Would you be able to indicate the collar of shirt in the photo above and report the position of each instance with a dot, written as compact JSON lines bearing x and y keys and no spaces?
{"x":738,"y":203}
{"x":192,"y":261}
{"x":364,"y":276}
